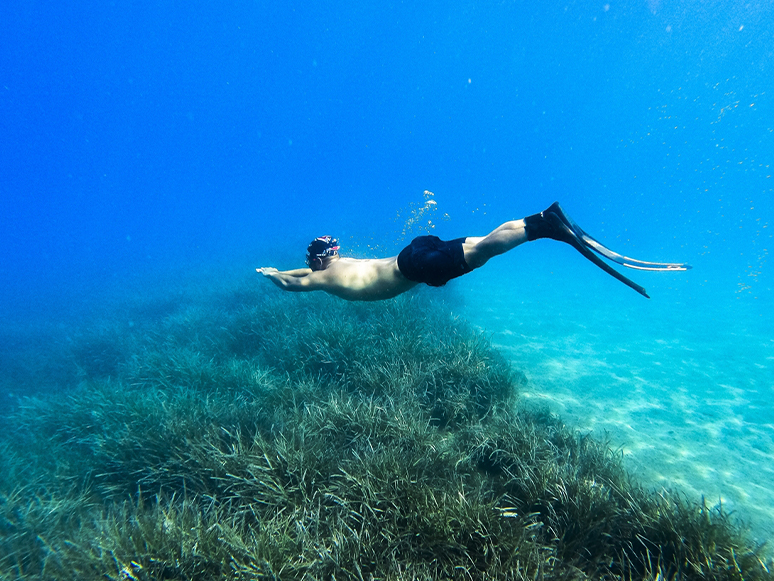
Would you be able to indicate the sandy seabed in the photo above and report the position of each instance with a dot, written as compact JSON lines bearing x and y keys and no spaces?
{"x":686,"y":392}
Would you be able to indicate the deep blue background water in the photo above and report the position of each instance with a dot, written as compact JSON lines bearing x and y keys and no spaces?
{"x":150,"y":139}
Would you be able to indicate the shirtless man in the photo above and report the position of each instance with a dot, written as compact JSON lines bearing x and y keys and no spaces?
{"x":435,"y":262}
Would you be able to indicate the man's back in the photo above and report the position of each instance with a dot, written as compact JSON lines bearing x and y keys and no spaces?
{"x":361,"y":279}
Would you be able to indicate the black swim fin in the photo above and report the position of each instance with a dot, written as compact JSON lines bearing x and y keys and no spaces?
{"x":556,"y":224}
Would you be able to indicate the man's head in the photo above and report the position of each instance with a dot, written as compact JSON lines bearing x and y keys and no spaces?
{"x":319,"y":250}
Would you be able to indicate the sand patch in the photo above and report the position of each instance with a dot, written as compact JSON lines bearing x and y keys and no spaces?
{"x":686,"y":396}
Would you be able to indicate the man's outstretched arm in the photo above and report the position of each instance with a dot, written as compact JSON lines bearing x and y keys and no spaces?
{"x":298,"y":280}
{"x":294,"y":272}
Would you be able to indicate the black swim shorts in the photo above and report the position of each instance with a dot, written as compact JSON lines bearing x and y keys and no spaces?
{"x":433,"y":261}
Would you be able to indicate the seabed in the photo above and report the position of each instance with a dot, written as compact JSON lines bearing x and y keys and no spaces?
{"x":254,"y":435}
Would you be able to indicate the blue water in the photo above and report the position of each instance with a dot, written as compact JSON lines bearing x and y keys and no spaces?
{"x":149,"y":145}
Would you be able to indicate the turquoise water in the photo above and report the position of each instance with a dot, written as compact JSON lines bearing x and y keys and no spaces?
{"x":156,"y":146}
{"x":684,"y":392}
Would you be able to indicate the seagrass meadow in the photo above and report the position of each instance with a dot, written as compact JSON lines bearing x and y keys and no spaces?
{"x":254,"y":435}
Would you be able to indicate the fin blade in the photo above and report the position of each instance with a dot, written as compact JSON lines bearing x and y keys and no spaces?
{"x":631,"y":262}
{"x":573,"y":235}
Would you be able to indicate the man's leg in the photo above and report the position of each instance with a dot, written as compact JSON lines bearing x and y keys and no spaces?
{"x":478,"y":250}
{"x":555,"y":224}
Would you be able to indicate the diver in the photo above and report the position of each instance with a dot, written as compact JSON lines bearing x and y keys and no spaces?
{"x":434,"y":262}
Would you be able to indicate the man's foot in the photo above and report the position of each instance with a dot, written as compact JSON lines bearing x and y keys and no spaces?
{"x":555,"y":224}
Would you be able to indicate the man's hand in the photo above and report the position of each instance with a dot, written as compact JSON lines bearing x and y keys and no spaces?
{"x":266,"y":270}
